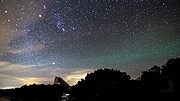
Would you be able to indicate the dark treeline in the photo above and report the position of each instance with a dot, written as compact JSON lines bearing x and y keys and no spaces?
{"x":36,"y":93}
{"x":155,"y":84}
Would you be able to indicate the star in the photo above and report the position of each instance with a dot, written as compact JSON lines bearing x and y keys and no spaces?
{"x":53,"y":63}
{"x":9,"y":20}
{"x":44,"y":6}
{"x":63,"y":30}
{"x":40,"y":16}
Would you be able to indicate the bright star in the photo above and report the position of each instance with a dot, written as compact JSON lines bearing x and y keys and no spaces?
{"x":53,"y":63}
{"x":63,"y":29}
{"x":44,"y":6}
{"x":9,"y":20}
{"x":40,"y":16}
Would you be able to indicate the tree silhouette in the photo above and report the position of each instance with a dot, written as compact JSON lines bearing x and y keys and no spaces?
{"x":39,"y":93}
{"x":171,"y":69}
{"x":150,"y":81}
{"x":171,"y":72}
{"x":107,"y":84}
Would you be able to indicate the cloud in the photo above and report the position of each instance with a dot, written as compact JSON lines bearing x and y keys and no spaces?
{"x":16,"y":75}
{"x":36,"y":80}
{"x":5,"y":66}
{"x":13,"y":82}
{"x":9,"y":81}
{"x":13,"y":75}
{"x":77,"y":75}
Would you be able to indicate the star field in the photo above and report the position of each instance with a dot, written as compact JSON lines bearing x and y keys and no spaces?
{"x":83,"y":35}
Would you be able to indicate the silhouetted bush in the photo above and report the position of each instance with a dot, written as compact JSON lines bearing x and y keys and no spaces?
{"x":39,"y":93}
{"x":114,"y":85}
{"x":107,"y":84}
{"x":170,"y":72}
{"x":150,"y":83}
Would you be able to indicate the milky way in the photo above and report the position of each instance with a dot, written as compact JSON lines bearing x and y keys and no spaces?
{"x":62,"y":36}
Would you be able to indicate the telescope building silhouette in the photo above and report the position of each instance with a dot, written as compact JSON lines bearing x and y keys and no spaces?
{"x":59,"y":80}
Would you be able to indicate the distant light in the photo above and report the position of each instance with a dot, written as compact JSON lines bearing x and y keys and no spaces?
{"x":53,"y":63}
{"x":5,"y":11}
{"x":67,"y":94}
{"x":40,"y":16}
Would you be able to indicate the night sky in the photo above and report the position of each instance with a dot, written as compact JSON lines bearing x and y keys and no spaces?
{"x":41,"y":39}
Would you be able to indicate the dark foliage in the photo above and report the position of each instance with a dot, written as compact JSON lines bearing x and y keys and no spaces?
{"x":170,"y":71}
{"x":154,"y":84}
{"x":101,"y":85}
{"x":37,"y":93}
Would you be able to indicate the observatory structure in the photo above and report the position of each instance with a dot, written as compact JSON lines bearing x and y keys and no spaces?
{"x":59,"y":80}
